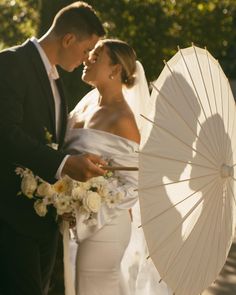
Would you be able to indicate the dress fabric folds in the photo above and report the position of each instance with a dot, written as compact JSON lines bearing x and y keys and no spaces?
{"x":109,"y":258}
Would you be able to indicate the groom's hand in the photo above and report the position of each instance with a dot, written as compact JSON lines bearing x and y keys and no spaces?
{"x":83,"y":167}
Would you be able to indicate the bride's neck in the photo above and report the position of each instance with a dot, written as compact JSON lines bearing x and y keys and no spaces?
{"x":110,"y":96}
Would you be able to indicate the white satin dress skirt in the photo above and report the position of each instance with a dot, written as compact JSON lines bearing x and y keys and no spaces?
{"x":98,"y":263}
{"x":106,"y":252}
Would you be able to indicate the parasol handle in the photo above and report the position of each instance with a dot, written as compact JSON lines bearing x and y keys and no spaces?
{"x":114,"y":168}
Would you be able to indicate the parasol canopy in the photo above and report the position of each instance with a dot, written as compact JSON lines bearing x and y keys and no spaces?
{"x":187,"y":171}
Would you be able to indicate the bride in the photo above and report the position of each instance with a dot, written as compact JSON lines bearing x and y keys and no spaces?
{"x":111,"y":256}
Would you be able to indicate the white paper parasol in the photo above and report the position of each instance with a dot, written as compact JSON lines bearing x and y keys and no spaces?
{"x":187,"y":168}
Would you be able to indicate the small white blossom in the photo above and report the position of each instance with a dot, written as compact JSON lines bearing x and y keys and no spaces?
{"x":62,"y":204}
{"x":28,"y":186}
{"x":40,"y":208}
{"x":111,"y":201}
{"x":45,"y":189}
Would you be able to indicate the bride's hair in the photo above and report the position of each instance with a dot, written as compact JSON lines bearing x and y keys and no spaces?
{"x":122,"y":53}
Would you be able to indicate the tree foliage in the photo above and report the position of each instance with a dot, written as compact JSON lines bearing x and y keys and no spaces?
{"x":19,"y":20}
{"x":153,"y":27}
{"x":156,"y":27}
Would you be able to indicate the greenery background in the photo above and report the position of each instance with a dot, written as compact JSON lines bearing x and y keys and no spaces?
{"x":153,"y":27}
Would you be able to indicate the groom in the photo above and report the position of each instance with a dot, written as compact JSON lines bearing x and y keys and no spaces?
{"x":33,"y":106}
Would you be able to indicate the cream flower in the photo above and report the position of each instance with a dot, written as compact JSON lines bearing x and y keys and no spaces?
{"x":45,"y":189}
{"x":92,"y":202}
{"x":78,"y":193}
{"x":111,"y":201}
{"x":40,"y":208}
{"x":62,"y":204}
{"x":85,"y":185}
{"x":28,"y":185}
{"x":61,"y":186}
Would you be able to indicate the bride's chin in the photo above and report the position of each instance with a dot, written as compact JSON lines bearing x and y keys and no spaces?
{"x":87,"y":81}
{"x":83,"y":77}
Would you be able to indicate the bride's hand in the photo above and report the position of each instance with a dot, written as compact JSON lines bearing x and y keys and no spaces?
{"x":83,"y":167}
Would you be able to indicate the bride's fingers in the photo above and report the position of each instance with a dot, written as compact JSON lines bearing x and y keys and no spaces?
{"x":96,"y":164}
{"x":96,"y":160}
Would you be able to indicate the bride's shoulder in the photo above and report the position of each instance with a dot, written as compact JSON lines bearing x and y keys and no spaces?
{"x":126,"y":126}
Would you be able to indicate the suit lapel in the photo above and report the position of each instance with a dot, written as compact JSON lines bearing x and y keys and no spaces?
{"x":43,"y":78}
{"x":64,"y":111}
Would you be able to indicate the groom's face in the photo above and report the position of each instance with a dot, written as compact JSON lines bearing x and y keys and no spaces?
{"x":75,"y":51}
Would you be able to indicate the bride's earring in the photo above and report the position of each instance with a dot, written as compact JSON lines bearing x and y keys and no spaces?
{"x":111,"y":77}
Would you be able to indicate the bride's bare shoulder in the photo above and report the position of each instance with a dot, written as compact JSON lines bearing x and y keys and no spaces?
{"x":126,"y":127}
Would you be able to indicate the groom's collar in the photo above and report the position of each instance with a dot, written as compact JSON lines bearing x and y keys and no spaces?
{"x":51,"y":70}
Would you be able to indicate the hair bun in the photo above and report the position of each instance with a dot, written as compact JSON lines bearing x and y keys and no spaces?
{"x":129,"y":82}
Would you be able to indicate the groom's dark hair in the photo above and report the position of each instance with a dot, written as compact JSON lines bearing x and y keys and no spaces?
{"x":78,"y":18}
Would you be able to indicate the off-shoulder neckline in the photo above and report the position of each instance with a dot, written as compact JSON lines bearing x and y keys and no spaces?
{"x":105,"y":132}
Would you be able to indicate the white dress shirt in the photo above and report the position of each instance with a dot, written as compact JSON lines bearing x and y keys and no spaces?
{"x":52,"y":75}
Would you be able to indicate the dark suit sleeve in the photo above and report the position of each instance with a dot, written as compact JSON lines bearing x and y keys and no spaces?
{"x":20,"y":146}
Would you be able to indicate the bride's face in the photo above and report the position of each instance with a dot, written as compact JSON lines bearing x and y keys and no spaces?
{"x":98,"y":68}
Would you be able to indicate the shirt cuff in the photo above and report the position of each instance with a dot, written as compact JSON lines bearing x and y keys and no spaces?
{"x":59,"y":170}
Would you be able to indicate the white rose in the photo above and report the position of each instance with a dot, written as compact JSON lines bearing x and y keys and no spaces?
{"x":45,"y":189}
{"x":98,"y":181}
{"x":78,"y":193}
{"x":85,"y":185}
{"x":40,"y":208}
{"x":92,"y":202}
{"x":28,"y":186}
{"x":103,"y":192}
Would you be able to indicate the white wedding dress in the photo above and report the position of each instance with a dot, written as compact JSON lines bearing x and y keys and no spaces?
{"x":111,"y":256}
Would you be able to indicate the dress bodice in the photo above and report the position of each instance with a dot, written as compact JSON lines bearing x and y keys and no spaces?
{"x":117,"y":151}
{"x":111,"y":147}
{"x":102,"y":143}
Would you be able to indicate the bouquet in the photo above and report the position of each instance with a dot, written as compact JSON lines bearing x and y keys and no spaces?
{"x":68,"y":195}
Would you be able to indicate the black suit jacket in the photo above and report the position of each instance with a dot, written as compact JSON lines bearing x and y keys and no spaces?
{"x":26,"y":109}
